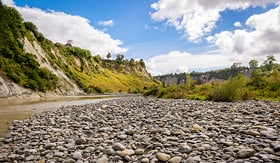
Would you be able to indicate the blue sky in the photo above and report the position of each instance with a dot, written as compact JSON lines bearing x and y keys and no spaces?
{"x":171,"y":36}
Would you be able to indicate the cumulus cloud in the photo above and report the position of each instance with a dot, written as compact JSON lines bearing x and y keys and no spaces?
{"x":198,"y":17}
{"x":8,"y":2}
{"x":176,"y":61}
{"x":261,"y":40}
{"x":106,"y":23}
{"x":237,"y":24}
{"x":60,"y":27}
{"x":259,"y":37}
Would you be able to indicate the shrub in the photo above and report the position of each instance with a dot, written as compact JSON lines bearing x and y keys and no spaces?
{"x":232,"y":90}
{"x":152,"y":91}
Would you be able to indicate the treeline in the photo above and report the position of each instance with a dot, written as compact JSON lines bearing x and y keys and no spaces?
{"x":263,"y":84}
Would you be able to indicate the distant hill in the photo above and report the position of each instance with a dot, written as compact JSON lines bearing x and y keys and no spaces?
{"x":30,"y":64}
{"x":206,"y":77}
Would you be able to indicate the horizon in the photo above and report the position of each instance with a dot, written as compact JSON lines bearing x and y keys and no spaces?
{"x":171,"y":36}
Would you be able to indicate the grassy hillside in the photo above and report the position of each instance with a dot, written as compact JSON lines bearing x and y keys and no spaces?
{"x":264,"y":84}
{"x":89,"y":72}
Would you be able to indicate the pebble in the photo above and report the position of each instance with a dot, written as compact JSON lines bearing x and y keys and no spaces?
{"x":58,"y":154}
{"x":139,"y":129}
{"x":163,"y":156}
{"x":245,"y":153}
{"x":185,"y":149}
{"x":102,"y":160}
{"x":77,"y":155}
{"x":175,"y":159}
{"x":197,"y":128}
{"x":126,"y":152}
{"x":276,"y":146}
{"x":118,"y":147}
{"x":194,"y":159}
{"x":145,"y":160}
{"x":253,"y":133}
{"x":139,"y":151}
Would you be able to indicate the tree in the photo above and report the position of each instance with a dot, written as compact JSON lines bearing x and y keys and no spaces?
{"x":109,"y":55}
{"x":30,"y":26}
{"x":235,"y":65}
{"x":142,"y":63}
{"x":131,"y":62}
{"x":69,"y":43}
{"x":253,"y":63}
{"x":119,"y":58}
{"x":269,"y":62}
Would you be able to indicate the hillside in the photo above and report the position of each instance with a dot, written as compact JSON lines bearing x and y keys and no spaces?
{"x":206,"y":77}
{"x":229,"y":84}
{"x":30,"y":64}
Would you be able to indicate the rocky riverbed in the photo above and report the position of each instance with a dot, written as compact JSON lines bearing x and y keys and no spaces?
{"x":148,"y":130}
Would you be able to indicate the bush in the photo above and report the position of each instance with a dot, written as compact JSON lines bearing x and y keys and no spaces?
{"x":232,"y":90}
{"x":152,"y":91}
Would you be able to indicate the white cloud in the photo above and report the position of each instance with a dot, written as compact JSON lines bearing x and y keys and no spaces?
{"x":198,"y":17}
{"x":8,"y":2}
{"x":106,"y":23}
{"x":237,"y":24}
{"x":60,"y":27}
{"x":176,"y":61}
{"x":261,"y":40}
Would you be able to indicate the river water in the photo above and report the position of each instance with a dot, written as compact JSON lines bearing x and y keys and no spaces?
{"x":20,"y":109}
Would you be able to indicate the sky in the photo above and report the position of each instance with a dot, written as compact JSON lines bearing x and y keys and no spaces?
{"x":172,"y":36}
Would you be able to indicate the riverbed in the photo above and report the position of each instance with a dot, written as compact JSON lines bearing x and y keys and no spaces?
{"x":20,"y":109}
{"x":144,"y":129}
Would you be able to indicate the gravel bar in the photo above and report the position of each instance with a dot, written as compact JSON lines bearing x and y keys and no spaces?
{"x":139,"y":129}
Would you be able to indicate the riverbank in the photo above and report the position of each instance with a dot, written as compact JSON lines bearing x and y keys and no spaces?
{"x":21,"y":109}
{"x":141,"y":129}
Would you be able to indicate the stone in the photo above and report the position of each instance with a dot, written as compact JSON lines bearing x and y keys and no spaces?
{"x":228,"y":149}
{"x":103,"y":159}
{"x":185,"y":149}
{"x":162,"y":156}
{"x":123,"y":136}
{"x":77,"y":155}
{"x":246,"y":153}
{"x":196,"y":128}
{"x":194,"y":159}
{"x":145,"y":160}
{"x":29,"y":158}
{"x":253,"y":133}
{"x":126,"y":152}
{"x":8,"y":140}
{"x":90,"y":149}
{"x":175,"y":159}
{"x":109,"y":151}
{"x":50,"y":145}
{"x":118,"y":147}
{"x":139,"y":151}
{"x":276,"y":146}
{"x":58,"y":154}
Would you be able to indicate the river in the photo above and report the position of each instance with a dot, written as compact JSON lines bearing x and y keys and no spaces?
{"x":20,"y":109}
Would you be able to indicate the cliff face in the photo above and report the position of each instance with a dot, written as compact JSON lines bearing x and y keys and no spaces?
{"x":32,"y":65}
{"x":206,"y":77}
{"x":66,"y":85}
